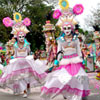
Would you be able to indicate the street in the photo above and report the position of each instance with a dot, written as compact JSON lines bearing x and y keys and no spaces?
{"x":7,"y":94}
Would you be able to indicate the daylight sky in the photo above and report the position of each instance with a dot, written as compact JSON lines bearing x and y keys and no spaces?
{"x":88,"y":5}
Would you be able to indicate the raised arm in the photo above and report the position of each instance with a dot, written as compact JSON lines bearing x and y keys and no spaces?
{"x":59,"y":48}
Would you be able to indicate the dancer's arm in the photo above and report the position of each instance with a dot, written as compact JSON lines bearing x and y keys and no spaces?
{"x":59,"y":49}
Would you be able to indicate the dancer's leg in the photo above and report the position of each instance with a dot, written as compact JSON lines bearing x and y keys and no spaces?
{"x":28,"y":88}
{"x":23,"y":87}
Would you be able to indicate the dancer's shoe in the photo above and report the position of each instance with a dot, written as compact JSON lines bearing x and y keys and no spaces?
{"x":25,"y":95}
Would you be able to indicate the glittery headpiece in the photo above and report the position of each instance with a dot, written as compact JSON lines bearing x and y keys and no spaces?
{"x":18,"y":25}
{"x":48,"y":27}
{"x":66,"y":15}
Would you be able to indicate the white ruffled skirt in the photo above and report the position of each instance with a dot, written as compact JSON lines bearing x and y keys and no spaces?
{"x":69,"y":79}
{"x":20,"y":72}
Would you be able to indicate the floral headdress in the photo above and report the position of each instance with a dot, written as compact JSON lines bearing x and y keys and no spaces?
{"x":10,"y":42}
{"x":18,"y":25}
{"x":66,"y":14}
{"x":48,"y":27}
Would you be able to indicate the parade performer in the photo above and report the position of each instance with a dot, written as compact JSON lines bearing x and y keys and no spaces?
{"x":51,"y":47}
{"x":69,"y":79}
{"x":21,"y":72}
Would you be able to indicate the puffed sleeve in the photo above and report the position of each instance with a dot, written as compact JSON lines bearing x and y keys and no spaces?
{"x":78,"y":48}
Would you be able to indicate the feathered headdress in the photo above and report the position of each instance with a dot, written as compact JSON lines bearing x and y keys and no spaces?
{"x":10,"y":42}
{"x":18,"y":25}
{"x":66,"y":14}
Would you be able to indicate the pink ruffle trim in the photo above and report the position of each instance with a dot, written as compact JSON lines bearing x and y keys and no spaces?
{"x":25,"y":70}
{"x":72,"y":69}
{"x":66,"y":88}
{"x":70,"y":56}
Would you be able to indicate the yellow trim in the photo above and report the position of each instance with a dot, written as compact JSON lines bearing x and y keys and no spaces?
{"x":1,"y":51}
{"x":98,"y":74}
{"x":60,"y":3}
{"x":42,"y":58}
{"x":14,"y":17}
{"x":97,"y":78}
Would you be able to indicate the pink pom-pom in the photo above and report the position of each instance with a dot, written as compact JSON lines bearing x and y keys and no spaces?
{"x":78,"y":9}
{"x":56,"y":14}
{"x":27,"y":22}
{"x":7,"y":22}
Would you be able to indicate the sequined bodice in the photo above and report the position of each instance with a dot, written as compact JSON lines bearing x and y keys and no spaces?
{"x":21,"y":52}
{"x":69,"y":47}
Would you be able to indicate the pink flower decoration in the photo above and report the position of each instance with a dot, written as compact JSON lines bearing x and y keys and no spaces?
{"x":27,"y":22}
{"x":78,"y":9}
{"x":7,"y":22}
{"x":56,"y":14}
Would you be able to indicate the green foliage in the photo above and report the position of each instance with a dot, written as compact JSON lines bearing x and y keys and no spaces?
{"x":58,"y":30}
{"x":94,"y":17}
{"x":4,"y":32}
{"x":89,"y":38}
{"x":37,"y":14}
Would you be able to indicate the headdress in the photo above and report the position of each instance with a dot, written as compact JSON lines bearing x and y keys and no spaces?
{"x":48,"y":27}
{"x":10,"y":42}
{"x":66,"y":14}
{"x":18,"y":25}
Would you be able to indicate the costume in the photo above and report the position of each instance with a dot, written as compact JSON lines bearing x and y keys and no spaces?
{"x":10,"y":50}
{"x":51,"y":47}
{"x":21,"y":71}
{"x":69,"y":79}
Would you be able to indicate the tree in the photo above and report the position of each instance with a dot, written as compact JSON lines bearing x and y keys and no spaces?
{"x":52,"y":2}
{"x":4,"y":32}
{"x":94,"y":18}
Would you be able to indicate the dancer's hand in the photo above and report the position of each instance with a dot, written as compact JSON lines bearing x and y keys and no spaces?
{"x":87,"y":69}
{"x":55,"y":66}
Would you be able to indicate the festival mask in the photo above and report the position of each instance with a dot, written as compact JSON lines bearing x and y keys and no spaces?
{"x":67,"y":28}
{"x":21,"y":37}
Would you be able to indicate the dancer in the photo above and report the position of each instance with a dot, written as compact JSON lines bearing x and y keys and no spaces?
{"x":51,"y":47}
{"x":21,"y":72}
{"x":45,"y":59}
{"x":69,"y":79}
